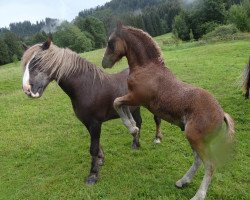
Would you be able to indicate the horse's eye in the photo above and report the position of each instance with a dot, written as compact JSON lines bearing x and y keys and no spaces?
{"x":111,"y":45}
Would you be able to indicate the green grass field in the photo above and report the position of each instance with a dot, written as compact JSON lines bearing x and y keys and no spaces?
{"x":44,"y":149}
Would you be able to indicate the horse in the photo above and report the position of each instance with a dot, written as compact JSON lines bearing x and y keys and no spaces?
{"x":152,"y":85}
{"x":91,"y":90}
{"x":246,"y":79}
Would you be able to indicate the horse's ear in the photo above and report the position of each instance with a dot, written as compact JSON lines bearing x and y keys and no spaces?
{"x":47,"y":44}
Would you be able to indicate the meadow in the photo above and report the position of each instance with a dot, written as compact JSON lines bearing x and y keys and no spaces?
{"x":44,"y":149}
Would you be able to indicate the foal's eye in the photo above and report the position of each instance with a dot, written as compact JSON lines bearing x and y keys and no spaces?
{"x":111,"y":45}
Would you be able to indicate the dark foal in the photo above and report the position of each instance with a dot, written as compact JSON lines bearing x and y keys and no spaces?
{"x":91,"y":91}
{"x":152,"y":85}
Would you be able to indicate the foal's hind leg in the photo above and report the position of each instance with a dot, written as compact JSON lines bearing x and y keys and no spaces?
{"x":187,"y":178}
{"x":196,"y":139}
{"x":158,"y":135}
{"x":209,"y":170}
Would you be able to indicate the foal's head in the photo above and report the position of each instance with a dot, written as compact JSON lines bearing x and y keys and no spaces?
{"x":137,"y":45}
{"x":116,"y":48}
{"x":35,"y":80}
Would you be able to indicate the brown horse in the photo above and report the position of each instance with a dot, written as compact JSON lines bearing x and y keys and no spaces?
{"x":91,"y":91}
{"x":246,"y":79}
{"x":152,"y":85}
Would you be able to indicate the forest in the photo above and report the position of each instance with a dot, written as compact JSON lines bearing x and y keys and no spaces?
{"x":186,"y":19}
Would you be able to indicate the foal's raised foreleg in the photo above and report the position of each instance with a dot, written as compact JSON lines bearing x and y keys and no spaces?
{"x":118,"y":105}
{"x":187,"y":178}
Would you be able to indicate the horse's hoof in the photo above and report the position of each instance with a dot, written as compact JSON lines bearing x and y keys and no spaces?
{"x":157,"y":141}
{"x":91,"y":180}
{"x":136,"y":146}
{"x":100,"y":161}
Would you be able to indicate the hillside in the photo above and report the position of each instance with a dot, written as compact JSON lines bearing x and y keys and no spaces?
{"x":44,"y":149}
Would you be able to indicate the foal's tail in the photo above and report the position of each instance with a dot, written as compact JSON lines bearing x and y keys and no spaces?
{"x":230,"y":126}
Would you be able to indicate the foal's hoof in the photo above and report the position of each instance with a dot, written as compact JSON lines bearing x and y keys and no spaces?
{"x":91,"y":180}
{"x":134,"y":130}
{"x":179,"y":184}
{"x":157,"y":141}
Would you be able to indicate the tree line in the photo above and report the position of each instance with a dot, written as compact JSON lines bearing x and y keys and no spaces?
{"x":187,"y":19}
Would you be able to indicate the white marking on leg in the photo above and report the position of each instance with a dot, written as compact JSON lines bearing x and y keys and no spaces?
{"x":128,"y":113}
{"x":187,"y":178}
{"x":132,"y":129}
{"x":157,"y":140}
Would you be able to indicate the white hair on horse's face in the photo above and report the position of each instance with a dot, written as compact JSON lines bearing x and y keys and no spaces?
{"x":26,"y":80}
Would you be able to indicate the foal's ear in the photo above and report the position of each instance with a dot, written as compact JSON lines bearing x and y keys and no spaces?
{"x":119,"y":25}
{"x":24,"y":46}
{"x":46,"y":44}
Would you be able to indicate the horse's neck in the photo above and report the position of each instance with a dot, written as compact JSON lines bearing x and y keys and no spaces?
{"x":140,"y":58}
{"x":80,"y":84}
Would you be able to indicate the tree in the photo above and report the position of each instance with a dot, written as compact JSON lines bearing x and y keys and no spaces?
{"x":14,"y":44}
{"x":4,"y":54}
{"x":240,"y":15}
{"x":95,"y":27}
{"x":180,"y":27}
{"x":69,"y":35}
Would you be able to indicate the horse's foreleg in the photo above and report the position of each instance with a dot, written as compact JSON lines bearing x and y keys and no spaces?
{"x":158,"y":135}
{"x":187,"y":178}
{"x":118,"y":103}
{"x":247,"y":93}
{"x":100,"y":156}
{"x":94,"y":129}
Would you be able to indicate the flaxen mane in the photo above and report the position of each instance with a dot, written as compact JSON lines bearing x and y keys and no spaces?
{"x":61,"y":61}
{"x":152,"y":48}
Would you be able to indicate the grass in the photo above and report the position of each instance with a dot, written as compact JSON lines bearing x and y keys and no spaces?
{"x":44,"y":148}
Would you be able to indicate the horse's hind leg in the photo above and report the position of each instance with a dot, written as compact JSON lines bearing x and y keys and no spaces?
{"x":129,"y":115}
{"x":187,"y":178}
{"x":158,"y":135}
{"x":137,"y":117}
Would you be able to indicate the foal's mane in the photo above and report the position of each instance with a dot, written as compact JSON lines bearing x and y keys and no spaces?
{"x":141,"y":40}
{"x":62,"y":62}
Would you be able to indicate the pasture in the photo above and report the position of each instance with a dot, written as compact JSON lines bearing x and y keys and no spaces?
{"x":44,"y":149}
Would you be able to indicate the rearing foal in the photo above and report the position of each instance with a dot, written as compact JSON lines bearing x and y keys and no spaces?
{"x":152,"y":85}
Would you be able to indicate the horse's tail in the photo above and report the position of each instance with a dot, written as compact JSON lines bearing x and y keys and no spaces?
{"x":246,"y":76}
{"x":230,"y":127}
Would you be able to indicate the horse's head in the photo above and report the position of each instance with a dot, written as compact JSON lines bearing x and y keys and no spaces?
{"x":116,"y":48}
{"x":35,"y":80}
